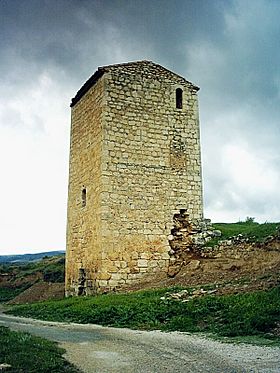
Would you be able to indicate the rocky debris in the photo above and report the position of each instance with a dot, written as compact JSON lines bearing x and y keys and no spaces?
{"x":175,"y":269}
{"x":193,"y":265}
{"x":236,"y":240}
{"x":273,"y":242}
{"x":4,"y":366}
{"x":188,"y":242}
{"x":240,"y":240}
{"x":189,"y":234}
{"x":188,"y":237}
{"x":187,"y":295}
{"x":240,"y":247}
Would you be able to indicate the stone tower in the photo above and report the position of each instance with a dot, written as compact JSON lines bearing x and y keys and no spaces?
{"x":134,"y":163}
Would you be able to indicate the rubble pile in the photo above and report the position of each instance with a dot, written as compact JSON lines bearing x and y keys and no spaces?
{"x":187,"y":295}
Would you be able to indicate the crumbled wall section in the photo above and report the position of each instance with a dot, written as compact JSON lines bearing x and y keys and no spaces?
{"x":140,"y":168}
{"x":187,"y":239}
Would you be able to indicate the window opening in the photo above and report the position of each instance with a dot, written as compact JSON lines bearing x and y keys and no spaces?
{"x":179,"y":98}
{"x":84,"y":197}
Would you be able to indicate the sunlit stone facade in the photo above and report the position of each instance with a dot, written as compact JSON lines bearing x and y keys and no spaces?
{"x":134,"y":163}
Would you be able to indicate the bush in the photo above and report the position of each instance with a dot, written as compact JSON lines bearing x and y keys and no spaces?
{"x":53,"y":274}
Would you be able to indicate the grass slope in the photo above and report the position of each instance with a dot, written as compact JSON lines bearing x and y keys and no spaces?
{"x":8,"y":293}
{"x":232,"y":315}
{"x":28,"y":354}
{"x":22,"y":276}
{"x":254,"y":231}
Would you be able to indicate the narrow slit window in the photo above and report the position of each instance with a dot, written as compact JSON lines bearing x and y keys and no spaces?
{"x":84,"y":197}
{"x":179,"y":98}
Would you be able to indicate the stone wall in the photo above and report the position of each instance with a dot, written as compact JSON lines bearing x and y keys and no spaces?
{"x":191,"y":256}
{"x":240,"y":247}
{"x":142,"y":167}
{"x":84,"y":223}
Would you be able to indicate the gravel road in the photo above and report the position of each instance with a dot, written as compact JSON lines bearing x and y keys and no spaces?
{"x":97,"y":349}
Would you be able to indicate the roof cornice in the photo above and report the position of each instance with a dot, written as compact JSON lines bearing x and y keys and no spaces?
{"x":103,"y":69}
{"x":86,"y":87}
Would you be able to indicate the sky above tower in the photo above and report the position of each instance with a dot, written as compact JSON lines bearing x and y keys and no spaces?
{"x":48,"y":49}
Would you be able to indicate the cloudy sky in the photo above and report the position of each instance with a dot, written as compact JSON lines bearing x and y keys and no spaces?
{"x":48,"y":48}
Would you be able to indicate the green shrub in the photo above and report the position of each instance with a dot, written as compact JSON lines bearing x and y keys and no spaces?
{"x":53,"y":273}
{"x":8,"y":293}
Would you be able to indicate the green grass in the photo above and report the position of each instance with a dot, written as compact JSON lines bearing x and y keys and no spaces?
{"x":28,"y":354}
{"x":251,"y":314}
{"x":255,"y":232}
{"x":8,"y":293}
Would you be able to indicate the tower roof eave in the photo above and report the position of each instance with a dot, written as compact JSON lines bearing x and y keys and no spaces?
{"x":103,"y":69}
{"x":86,"y":87}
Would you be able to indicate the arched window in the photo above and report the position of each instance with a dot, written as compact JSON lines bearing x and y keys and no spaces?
{"x":179,"y":98}
{"x":84,"y":197}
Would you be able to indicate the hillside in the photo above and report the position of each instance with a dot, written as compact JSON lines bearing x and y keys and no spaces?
{"x":23,"y":258}
{"x":230,"y":289}
{"x":15,"y":278}
{"x":249,"y":229}
{"x":246,"y":257}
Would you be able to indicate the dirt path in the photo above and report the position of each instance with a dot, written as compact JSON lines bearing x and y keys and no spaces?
{"x":99,"y":349}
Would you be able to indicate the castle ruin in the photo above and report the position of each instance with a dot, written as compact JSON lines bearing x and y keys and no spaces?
{"x":134,"y":165}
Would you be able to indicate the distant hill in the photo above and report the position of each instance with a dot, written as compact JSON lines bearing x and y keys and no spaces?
{"x":24,"y":271}
{"x":24,"y":258}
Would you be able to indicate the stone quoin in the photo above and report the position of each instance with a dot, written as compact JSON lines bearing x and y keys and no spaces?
{"x":134,"y":164}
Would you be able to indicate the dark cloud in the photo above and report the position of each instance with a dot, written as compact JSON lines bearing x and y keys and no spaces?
{"x":73,"y":34}
{"x":230,"y":48}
